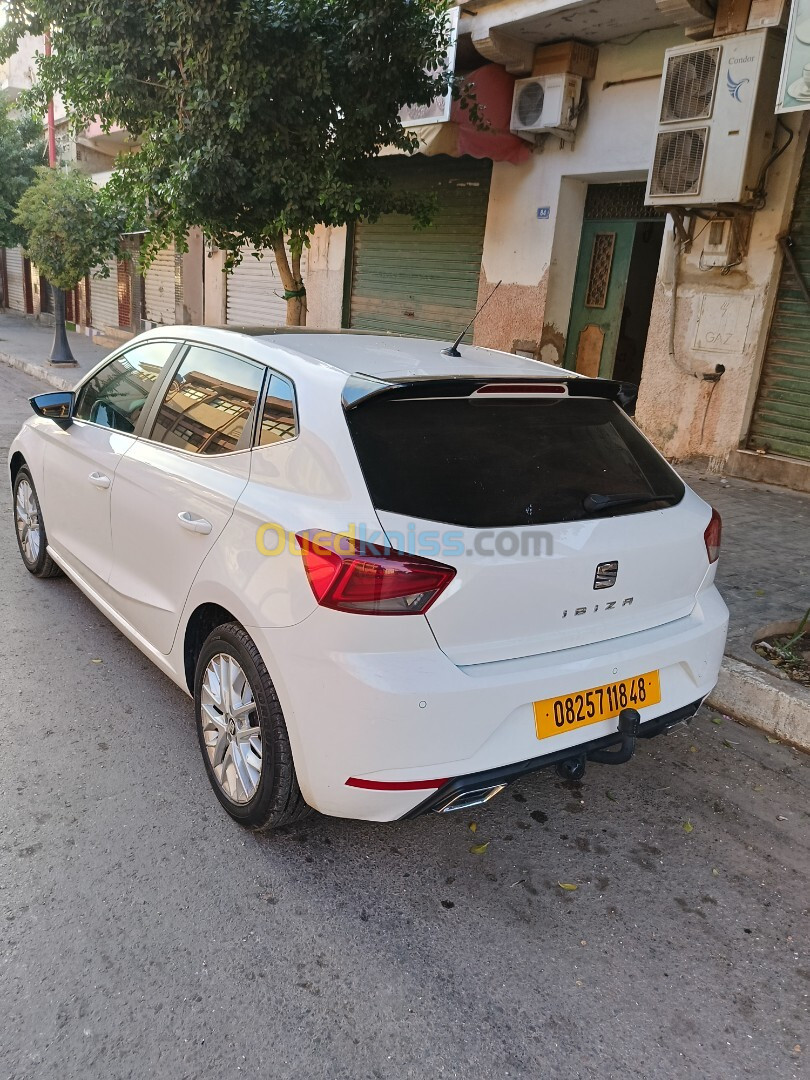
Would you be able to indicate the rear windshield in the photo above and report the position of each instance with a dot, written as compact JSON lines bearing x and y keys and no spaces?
{"x":509,"y":463}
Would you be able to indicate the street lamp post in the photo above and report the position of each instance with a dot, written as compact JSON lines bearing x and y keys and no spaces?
{"x":60,"y":352}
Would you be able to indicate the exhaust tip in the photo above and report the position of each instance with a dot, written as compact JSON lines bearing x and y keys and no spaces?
{"x":467,"y":799}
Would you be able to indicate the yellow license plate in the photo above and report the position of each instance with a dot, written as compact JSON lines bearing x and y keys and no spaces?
{"x":571,"y":711}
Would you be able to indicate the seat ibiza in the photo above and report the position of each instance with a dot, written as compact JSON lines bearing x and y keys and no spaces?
{"x":393,"y":580}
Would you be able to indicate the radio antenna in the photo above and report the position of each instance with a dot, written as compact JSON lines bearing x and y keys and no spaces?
{"x":452,"y":350}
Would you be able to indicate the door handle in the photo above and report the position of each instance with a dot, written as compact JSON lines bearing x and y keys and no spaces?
{"x":99,"y":480}
{"x":194,"y":524}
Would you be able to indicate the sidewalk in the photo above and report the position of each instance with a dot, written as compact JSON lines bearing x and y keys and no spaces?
{"x":764,"y":576}
{"x":26,"y":344}
{"x":764,"y":570}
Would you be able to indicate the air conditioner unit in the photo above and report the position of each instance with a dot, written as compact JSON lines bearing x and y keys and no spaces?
{"x":716,"y":121}
{"x":546,"y":104}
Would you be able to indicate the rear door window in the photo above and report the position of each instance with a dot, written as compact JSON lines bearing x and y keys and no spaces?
{"x":210,"y":404}
{"x":508,"y":463}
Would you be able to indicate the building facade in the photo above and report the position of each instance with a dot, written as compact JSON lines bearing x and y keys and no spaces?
{"x":590,"y":277}
{"x":703,"y":306}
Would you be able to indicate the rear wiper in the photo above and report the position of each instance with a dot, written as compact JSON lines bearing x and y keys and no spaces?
{"x":594,"y":503}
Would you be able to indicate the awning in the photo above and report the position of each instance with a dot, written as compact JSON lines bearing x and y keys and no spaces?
{"x":493,"y":87}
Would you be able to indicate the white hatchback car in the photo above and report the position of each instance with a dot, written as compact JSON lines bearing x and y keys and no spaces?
{"x":393,"y":580}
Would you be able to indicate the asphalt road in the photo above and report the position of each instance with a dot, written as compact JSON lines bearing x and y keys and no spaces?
{"x":144,"y":934}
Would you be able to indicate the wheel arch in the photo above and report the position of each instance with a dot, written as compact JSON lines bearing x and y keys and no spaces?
{"x":203,"y":620}
{"x":15,"y":463}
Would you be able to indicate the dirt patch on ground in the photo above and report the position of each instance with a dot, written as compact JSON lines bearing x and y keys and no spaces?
{"x":789,"y":652}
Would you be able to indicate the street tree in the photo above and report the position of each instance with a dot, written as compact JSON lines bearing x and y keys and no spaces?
{"x":22,"y":149}
{"x":68,"y":231}
{"x":258,"y":120}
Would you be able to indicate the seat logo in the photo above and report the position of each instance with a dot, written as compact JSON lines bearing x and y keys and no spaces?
{"x":606,"y":574}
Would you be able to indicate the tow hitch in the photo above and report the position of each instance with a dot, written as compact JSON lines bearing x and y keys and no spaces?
{"x":573,"y":768}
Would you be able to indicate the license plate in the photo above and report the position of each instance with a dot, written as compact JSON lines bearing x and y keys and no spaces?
{"x":571,"y":711}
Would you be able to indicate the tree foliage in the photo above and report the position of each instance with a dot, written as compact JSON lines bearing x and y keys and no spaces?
{"x":22,"y":148}
{"x":257,"y":119}
{"x":67,"y":231}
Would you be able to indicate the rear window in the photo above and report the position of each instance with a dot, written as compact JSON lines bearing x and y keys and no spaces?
{"x":506,"y":464}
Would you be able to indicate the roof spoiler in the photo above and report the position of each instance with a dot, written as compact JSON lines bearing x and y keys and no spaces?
{"x":360,"y":388}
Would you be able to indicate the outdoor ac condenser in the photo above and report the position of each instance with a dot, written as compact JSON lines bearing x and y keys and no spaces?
{"x":546,"y":104}
{"x":716,"y":121}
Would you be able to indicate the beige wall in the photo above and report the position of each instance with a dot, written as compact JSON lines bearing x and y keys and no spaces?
{"x":324,"y":278}
{"x":684,"y":414}
{"x":536,"y":258}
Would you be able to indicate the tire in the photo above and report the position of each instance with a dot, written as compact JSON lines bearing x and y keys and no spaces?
{"x":231,"y":745}
{"x":29,"y":527}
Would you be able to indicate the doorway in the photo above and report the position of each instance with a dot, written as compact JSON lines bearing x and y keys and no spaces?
{"x":614,"y":285}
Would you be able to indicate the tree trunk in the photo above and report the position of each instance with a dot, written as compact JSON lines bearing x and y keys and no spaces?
{"x":290,"y":273}
{"x":60,"y":353}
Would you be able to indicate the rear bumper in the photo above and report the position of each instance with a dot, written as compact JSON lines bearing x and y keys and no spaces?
{"x":375,"y":700}
{"x":505,"y":775}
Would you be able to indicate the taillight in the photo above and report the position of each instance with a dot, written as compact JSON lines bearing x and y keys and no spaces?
{"x":712,"y":537}
{"x":352,"y":575}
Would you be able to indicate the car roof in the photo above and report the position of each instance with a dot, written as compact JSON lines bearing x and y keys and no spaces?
{"x":384,"y":356}
{"x":378,"y":355}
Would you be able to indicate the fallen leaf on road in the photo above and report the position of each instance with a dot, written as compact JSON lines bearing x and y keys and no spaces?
{"x":95,"y":660}
{"x":688,"y":826}
{"x":715,"y":872}
{"x":716,"y":720}
{"x":567,"y":886}
{"x":758,"y":787}
{"x":479,"y":849}
{"x":771,"y":739}
{"x":759,"y":592}
{"x":730,"y":745}
{"x":692,"y":749}
{"x":611,"y":796}
{"x":473,"y":827}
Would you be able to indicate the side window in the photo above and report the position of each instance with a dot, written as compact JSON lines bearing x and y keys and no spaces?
{"x":116,"y":394}
{"x":210,"y":403}
{"x":278,"y":415}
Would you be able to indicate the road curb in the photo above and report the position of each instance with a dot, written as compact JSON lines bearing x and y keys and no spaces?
{"x":39,"y":371}
{"x":778,"y":706}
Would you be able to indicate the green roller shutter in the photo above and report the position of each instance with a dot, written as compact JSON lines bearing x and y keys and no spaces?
{"x":423,"y":282}
{"x":781,"y":420}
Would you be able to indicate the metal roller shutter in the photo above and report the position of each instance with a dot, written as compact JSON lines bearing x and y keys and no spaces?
{"x":255,"y":292}
{"x":14,"y":271}
{"x":105,"y":299}
{"x":160,"y":287}
{"x":781,"y":420}
{"x":423,"y":282}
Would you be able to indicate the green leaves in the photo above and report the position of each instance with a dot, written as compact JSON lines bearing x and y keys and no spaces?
{"x":22,"y":148}
{"x":254,"y":119}
{"x":67,"y":231}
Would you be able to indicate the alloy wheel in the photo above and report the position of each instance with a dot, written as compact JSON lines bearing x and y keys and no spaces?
{"x":231,"y":732}
{"x":26,"y":519}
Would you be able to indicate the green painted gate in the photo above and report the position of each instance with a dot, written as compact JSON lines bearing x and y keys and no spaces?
{"x":599,"y":290}
{"x":781,"y":418}
{"x":422,"y":282}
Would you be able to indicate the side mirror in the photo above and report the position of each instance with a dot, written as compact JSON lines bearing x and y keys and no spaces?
{"x":57,"y":407}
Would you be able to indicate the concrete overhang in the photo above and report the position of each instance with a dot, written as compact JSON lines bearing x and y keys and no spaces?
{"x":506,"y":31}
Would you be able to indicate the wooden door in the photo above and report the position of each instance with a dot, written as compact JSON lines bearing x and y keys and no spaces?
{"x":603,"y":267}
